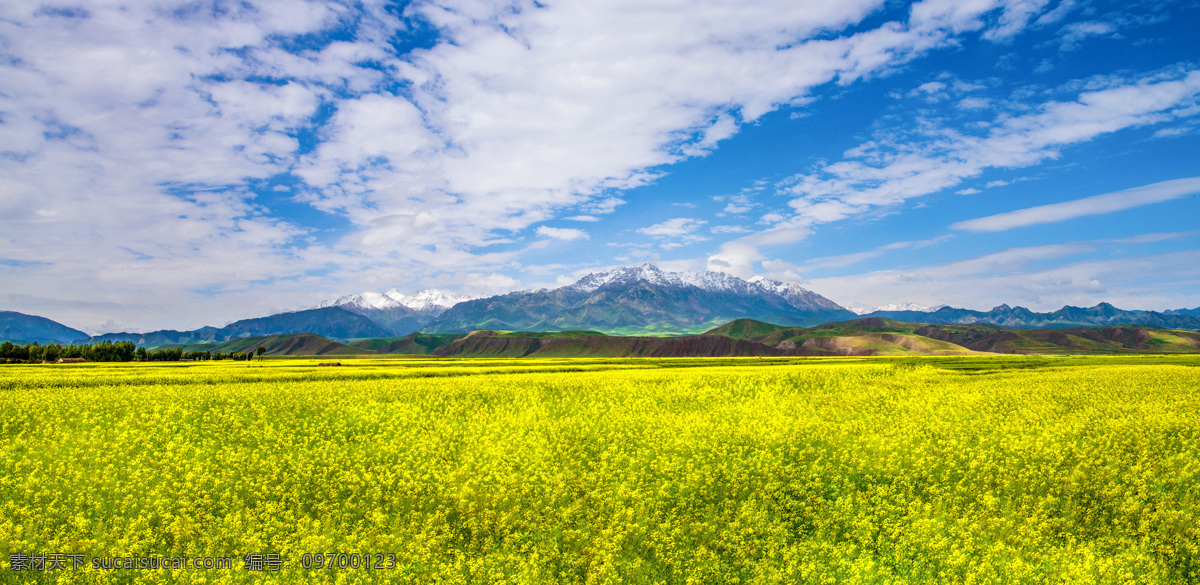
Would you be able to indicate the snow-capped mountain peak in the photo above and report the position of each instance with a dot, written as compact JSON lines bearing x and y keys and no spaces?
{"x":706,"y":280}
{"x":431,"y":300}
{"x":896,"y":307}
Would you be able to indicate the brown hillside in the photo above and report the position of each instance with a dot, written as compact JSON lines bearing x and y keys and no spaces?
{"x":482,"y":345}
{"x":690,"y":346}
{"x":1074,"y":340}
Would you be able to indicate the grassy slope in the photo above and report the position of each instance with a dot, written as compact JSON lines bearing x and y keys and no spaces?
{"x":887,"y":337}
{"x":488,"y":344}
{"x":887,"y":344}
{"x":411,"y":344}
{"x":280,"y":345}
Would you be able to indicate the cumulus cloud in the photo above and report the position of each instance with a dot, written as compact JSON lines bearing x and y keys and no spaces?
{"x":973,"y":103}
{"x":563,"y":234}
{"x":1073,"y":34}
{"x":737,"y":205}
{"x":155,"y":136}
{"x":736,"y":258}
{"x":679,"y":226}
{"x":676,"y":232}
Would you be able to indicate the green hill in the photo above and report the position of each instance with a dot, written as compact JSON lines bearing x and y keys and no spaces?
{"x":411,"y":344}
{"x":279,"y":345}
{"x":481,"y":344}
{"x":889,"y":337}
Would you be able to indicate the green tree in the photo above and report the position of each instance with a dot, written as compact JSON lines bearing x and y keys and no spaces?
{"x":260,"y":351}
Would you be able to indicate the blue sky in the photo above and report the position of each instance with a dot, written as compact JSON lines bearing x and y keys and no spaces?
{"x":178,"y":164}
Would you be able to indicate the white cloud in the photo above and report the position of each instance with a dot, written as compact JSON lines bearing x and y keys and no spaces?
{"x":548,"y":106}
{"x":1056,"y":14}
{"x":1073,"y":34}
{"x":973,"y":103}
{"x":1099,"y":204}
{"x":679,"y":226}
{"x":886,"y":173}
{"x":848,"y":259}
{"x":737,"y":204}
{"x":563,"y":234}
{"x":140,"y":132}
{"x":675,"y":233}
{"x":736,"y":258}
{"x":929,"y":88}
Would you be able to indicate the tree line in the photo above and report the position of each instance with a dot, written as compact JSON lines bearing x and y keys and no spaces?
{"x":108,"y":351}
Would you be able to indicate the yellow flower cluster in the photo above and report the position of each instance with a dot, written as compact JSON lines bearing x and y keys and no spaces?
{"x":607,"y":471}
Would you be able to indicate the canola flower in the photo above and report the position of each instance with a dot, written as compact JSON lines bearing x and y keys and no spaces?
{"x":607,"y":471}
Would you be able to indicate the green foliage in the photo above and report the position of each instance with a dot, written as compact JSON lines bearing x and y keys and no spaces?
{"x":33,"y":353}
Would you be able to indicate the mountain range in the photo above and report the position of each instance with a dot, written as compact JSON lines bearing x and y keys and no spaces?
{"x":1021,"y":318}
{"x":639,"y":300}
{"x":329,"y":322}
{"x":871,"y":336}
{"x":642,"y":300}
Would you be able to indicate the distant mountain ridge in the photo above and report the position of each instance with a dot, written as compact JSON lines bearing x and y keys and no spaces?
{"x":642,"y":300}
{"x":328,"y":322}
{"x":1103,"y":314}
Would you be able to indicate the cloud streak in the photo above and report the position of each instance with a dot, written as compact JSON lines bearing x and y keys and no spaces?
{"x":1100,"y":204}
{"x":886,"y":173}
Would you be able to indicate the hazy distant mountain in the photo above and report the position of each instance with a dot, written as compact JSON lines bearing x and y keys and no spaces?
{"x":1066,"y":317}
{"x":328,"y":322}
{"x":25,"y":329}
{"x":1189,"y":312}
{"x":397,"y":312}
{"x":896,"y":307}
{"x":642,"y":299}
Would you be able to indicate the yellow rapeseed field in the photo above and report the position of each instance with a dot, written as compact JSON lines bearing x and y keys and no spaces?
{"x":973,"y":471}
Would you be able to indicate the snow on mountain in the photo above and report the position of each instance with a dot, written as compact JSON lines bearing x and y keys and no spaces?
{"x":713,"y":281}
{"x":896,"y":307}
{"x":426,"y":301}
{"x":705,"y":280}
{"x":431,"y":299}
